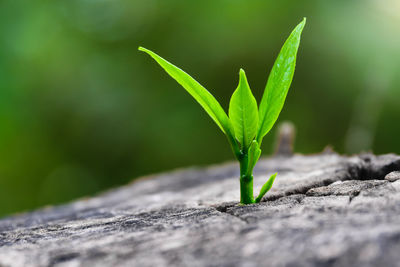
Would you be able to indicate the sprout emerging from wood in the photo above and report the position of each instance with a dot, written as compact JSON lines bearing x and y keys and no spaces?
{"x":247,"y":124}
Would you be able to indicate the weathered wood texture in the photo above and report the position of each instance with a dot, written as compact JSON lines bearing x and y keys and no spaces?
{"x":324,"y":210}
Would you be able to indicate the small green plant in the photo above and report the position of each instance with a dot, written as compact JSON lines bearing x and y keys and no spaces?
{"x":246,"y":125}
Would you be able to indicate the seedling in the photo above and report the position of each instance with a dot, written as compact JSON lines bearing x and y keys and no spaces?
{"x":246,"y":125}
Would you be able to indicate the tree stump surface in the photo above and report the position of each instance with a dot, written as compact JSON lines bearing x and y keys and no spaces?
{"x":324,"y":210}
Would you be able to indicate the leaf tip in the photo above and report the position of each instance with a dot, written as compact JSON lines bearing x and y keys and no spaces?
{"x":242,"y":76}
{"x":141,"y":48}
{"x":302,"y":24}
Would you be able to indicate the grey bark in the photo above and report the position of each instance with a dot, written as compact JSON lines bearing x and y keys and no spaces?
{"x":324,"y":210}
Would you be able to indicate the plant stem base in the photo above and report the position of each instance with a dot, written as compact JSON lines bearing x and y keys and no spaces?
{"x":246,"y":190}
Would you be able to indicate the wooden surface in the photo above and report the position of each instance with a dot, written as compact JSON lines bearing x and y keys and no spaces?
{"x":324,"y":210}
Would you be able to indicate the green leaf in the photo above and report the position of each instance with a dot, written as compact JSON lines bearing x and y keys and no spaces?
{"x":254,"y":155}
{"x":266,"y":187}
{"x":202,"y":96}
{"x":243,"y":112}
{"x":278,"y":83}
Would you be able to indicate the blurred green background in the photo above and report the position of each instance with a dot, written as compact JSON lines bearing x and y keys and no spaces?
{"x":81,"y":110}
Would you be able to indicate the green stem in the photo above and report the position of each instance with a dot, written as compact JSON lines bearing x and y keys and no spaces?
{"x":246,"y":176}
{"x":246,"y":181}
